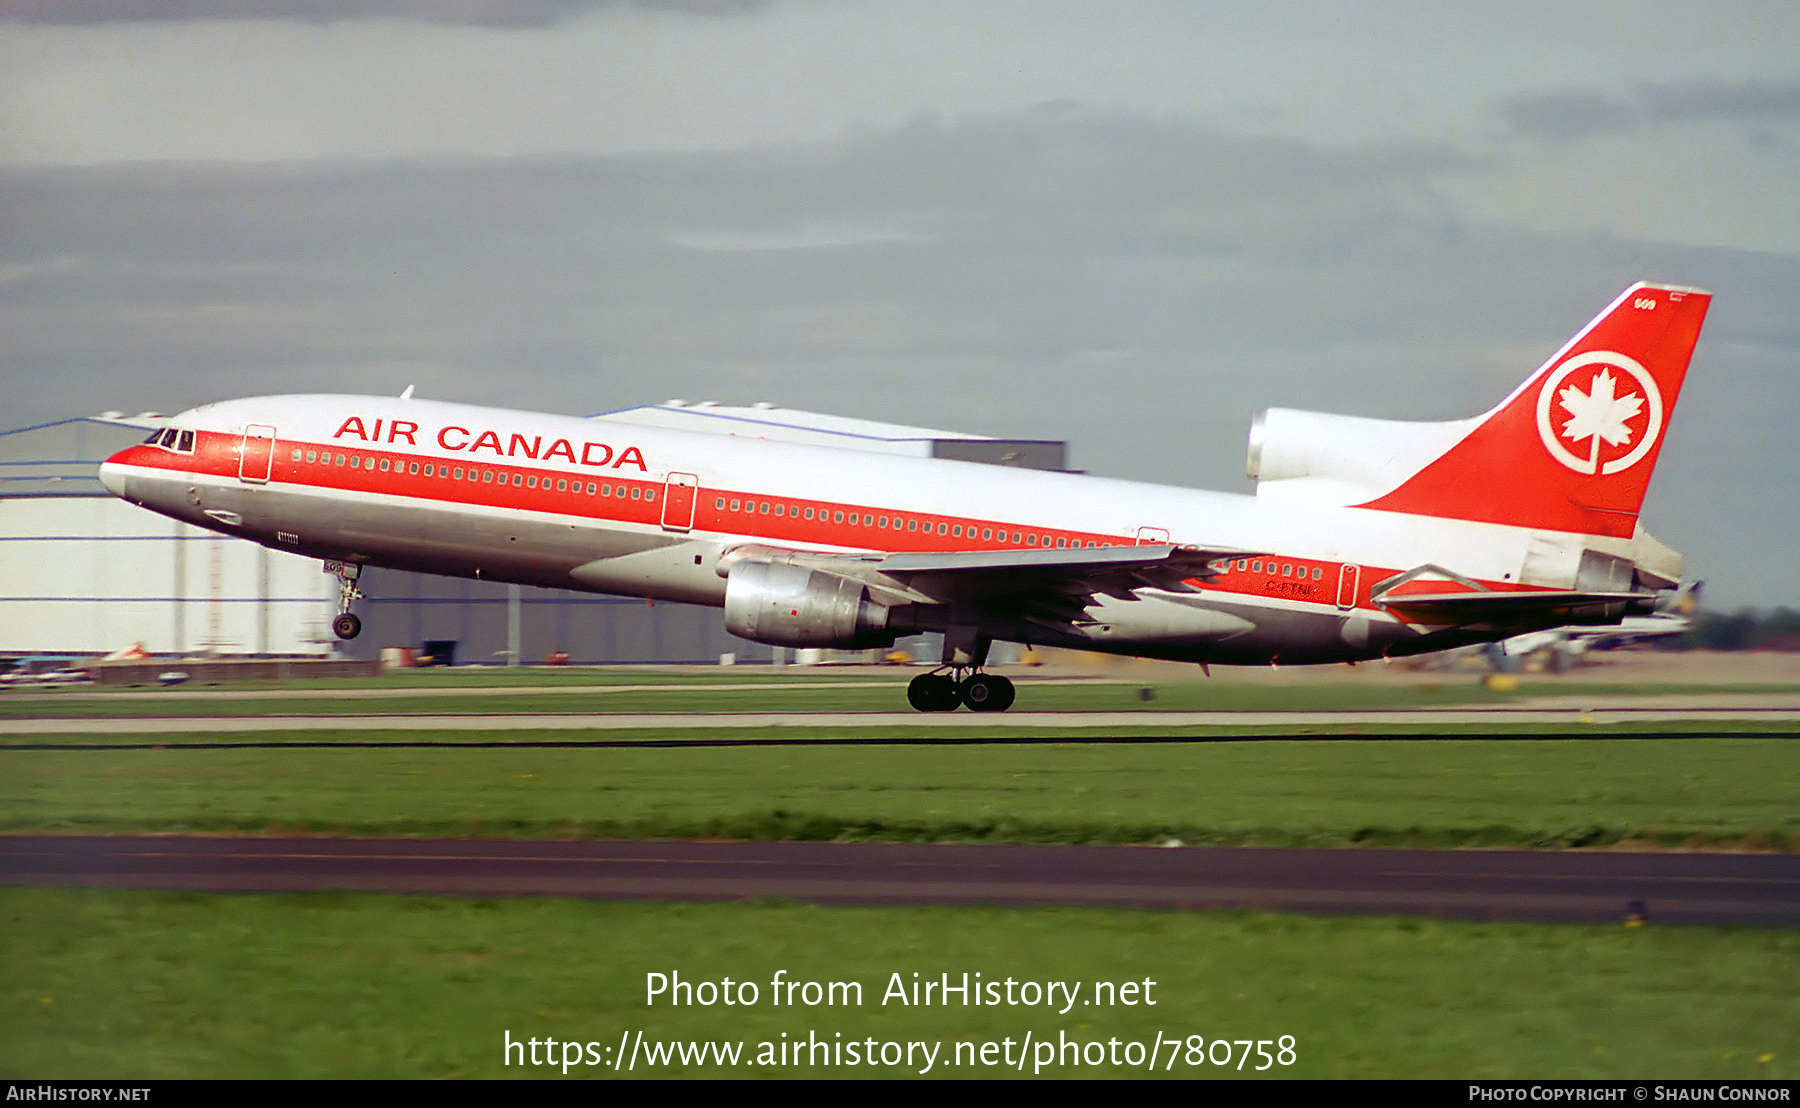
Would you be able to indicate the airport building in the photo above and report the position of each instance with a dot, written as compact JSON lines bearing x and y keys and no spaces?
{"x":86,"y":574}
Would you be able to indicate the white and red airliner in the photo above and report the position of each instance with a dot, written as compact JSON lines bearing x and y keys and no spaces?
{"x":1365,"y":538}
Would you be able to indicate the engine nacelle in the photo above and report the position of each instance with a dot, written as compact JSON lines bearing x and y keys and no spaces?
{"x":789,"y":605}
{"x":1326,"y":458}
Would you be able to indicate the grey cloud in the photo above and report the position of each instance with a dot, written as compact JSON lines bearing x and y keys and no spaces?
{"x":1568,"y":114}
{"x":1751,"y":101}
{"x":1015,"y":242}
{"x":491,"y":13}
{"x":872,"y":269}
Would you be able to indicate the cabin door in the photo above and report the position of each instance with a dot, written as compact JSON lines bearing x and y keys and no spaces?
{"x":678,"y":501}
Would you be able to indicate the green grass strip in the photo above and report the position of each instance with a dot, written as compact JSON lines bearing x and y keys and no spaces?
{"x":155,"y":985}
{"x":844,"y":695}
{"x":1588,"y":791}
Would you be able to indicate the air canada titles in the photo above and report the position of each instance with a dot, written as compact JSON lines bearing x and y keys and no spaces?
{"x":600,"y":455}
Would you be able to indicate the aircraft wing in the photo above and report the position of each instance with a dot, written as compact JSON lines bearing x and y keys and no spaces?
{"x":1048,"y":586}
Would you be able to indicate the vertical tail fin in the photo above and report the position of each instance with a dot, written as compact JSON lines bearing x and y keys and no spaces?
{"x":1572,"y":448}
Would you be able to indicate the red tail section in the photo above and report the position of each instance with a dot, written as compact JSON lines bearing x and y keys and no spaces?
{"x":1572,"y":449}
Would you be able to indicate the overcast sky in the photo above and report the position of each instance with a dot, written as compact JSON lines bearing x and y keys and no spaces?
{"x":1127,"y":225}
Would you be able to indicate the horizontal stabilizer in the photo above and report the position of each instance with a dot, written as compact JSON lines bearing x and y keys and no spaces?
{"x":1536,"y":608}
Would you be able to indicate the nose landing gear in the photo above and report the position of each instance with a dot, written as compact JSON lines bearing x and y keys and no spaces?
{"x":346,"y":625}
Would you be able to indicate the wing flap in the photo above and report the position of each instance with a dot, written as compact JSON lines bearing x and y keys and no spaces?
{"x":1071,"y":575}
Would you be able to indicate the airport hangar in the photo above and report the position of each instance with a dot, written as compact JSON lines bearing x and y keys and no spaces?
{"x":87,"y":574}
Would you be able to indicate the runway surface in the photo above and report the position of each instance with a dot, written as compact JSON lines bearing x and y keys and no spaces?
{"x":1019,"y":721}
{"x":1594,"y":887}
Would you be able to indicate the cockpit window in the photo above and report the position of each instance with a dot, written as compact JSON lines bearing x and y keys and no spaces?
{"x":171,"y":438}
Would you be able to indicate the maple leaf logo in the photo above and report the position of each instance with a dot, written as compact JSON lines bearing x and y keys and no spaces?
{"x":1612,"y":421}
{"x":1599,"y":414}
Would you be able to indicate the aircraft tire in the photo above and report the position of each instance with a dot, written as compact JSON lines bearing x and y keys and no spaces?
{"x":933,"y":692}
{"x":346,"y":626}
{"x":987,"y":692}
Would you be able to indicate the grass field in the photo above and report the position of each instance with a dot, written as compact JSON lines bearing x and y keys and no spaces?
{"x":1478,"y":792}
{"x":154,"y":985}
{"x":144,"y":984}
{"x":697,"y":697}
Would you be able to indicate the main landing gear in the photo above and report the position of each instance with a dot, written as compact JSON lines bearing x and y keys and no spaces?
{"x":946,"y":692}
{"x":965,"y":652}
{"x":346,"y":625}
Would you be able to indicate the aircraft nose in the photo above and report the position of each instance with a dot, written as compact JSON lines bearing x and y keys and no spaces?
{"x":112,"y":475}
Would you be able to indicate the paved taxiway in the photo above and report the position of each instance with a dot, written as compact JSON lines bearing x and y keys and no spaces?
{"x":1600,"y":886}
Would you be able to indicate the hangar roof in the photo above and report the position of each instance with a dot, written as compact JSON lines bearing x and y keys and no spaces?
{"x":766,"y":421}
{"x":61,"y":458}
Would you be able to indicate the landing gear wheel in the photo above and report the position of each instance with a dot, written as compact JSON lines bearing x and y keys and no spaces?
{"x":933,"y":692}
{"x":346,"y":625}
{"x":987,"y":692}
